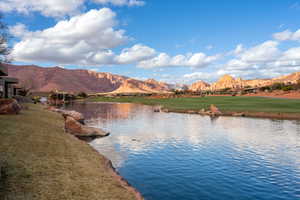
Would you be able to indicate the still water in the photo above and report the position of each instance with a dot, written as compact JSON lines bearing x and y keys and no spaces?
{"x":169,"y":156}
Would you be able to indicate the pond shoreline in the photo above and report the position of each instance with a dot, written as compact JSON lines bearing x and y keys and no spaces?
{"x":168,"y":150}
{"x":112,"y":170}
{"x":56,"y":164}
{"x":263,"y":115}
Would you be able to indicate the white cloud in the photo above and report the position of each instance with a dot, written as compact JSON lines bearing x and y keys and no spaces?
{"x":263,"y":61}
{"x":121,"y":2}
{"x":134,"y":54}
{"x":287,"y":35}
{"x":80,"y":40}
{"x":239,"y":49}
{"x":88,"y":40}
{"x":265,"y":52}
{"x":196,"y":60}
{"x":206,"y":76}
{"x":19,"y":30}
{"x":58,"y":8}
{"x":292,"y":54}
{"x":237,"y":64}
{"x":52,"y":8}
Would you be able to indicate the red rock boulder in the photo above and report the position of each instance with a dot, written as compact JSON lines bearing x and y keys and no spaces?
{"x":73,"y":127}
{"x":74,"y":114}
{"x":9,"y":107}
{"x":215,"y":110}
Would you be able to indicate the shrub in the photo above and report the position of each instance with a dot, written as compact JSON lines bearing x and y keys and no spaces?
{"x":277,"y":86}
{"x":288,"y":88}
{"x":82,"y":95}
{"x":265,"y":88}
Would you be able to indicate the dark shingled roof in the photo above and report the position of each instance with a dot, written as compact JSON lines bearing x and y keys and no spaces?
{"x":3,"y":70}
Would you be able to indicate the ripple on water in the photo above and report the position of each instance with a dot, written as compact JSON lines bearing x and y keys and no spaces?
{"x":180,"y":156}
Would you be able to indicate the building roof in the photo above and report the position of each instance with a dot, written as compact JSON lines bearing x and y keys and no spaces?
{"x":3,"y":70}
{"x":10,"y":80}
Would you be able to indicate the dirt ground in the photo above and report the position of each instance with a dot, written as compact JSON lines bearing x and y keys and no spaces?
{"x":278,"y":94}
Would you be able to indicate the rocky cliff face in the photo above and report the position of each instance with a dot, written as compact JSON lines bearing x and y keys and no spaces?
{"x":137,"y":86}
{"x":198,"y":86}
{"x":228,"y":81}
{"x":45,"y":79}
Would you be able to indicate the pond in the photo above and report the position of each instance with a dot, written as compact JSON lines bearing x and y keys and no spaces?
{"x":170,"y":156}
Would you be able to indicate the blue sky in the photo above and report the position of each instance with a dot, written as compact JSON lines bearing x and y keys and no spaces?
{"x":173,"y":41}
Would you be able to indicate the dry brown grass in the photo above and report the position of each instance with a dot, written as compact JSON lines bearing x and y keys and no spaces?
{"x":39,"y":161}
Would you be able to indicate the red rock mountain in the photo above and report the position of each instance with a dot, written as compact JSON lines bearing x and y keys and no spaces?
{"x":199,"y":85}
{"x":137,"y":86}
{"x":45,"y":79}
{"x":228,"y":81}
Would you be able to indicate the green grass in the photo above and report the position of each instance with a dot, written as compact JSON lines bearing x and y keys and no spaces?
{"x":224,"y":103}
{"x":39,"y":161}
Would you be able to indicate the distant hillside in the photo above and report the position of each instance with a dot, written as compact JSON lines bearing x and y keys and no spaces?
{"x":228,"y":81}
{"x":137,"y":86}
{"x":45,"y":79}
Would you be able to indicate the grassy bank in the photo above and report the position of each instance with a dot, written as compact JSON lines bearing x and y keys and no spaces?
{"x":40,"y":161}
{"x":224,"y":103}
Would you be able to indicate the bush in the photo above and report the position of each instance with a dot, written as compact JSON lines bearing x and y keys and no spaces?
{"x":24,"y":92}
{"x":277,"y":86}
{"x":61,"y":96}
{"x":288,"y":88}
{"x":265,"y":88}
{"x":82,"y":95}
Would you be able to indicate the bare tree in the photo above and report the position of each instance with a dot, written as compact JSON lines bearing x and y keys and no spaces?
{"x":4,"y":46}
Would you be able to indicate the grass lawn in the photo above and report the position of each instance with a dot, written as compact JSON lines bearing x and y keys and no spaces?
{"x":224,"y":103}
{"x":39,"y":161}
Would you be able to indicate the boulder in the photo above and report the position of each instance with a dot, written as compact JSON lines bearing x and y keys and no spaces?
{"x":74,"y":114}
{"x":202,"y":112}
{"x":9,"y":106}
{"x":75,"y":128}
{"x":215,"y":110}
{"x":239,"y":114}
{"x":165,"y":110}
{"x":191,"y":112}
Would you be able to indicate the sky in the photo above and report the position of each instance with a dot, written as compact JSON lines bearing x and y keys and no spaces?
{"x":176,"y":41}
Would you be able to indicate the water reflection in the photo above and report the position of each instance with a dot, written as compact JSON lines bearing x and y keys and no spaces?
{"x":236,"y":158}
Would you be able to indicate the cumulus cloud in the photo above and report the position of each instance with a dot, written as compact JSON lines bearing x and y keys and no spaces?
{"x":51,"y":8}
{"x":196,"y":60}
{"x":206,"y":76}
{"x":239,"y":49}
{"x":136,"y":53}
{"x":121,"y":2}
{"x":254,"y":57}
{"x":88,"y":40}
{"x":19,"y":30}
{"x":264,"y":60}
{"x":287,"y":35}
{"x":264,"y":52}
{"x":79,"y":40}
{"x":291,"y":54}
{"x":58,"y":8}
